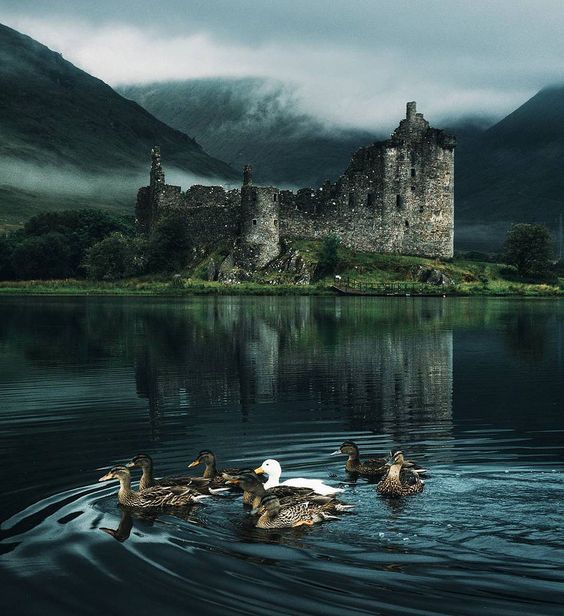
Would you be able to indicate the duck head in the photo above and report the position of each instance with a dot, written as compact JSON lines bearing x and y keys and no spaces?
{"x":141,"y":460}
{"x":206,"y":457}
{"x":117,"y":473}
{"x":270,"y":467}
{"x":348,"y":448}
{"x":269,"y":505}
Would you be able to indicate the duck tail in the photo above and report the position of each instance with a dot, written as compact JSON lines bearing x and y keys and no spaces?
{"x":201,"y":496}
{"x":328,"y":516}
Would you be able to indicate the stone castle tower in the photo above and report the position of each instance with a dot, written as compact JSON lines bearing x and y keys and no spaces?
{"x":396,"y":197}
{"x":408,"y":184}
{"x":259,"y":238}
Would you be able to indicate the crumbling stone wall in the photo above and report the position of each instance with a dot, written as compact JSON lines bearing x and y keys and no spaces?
{"x":396,"y":196}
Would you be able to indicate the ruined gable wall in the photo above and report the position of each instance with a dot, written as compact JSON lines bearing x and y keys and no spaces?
{"x":396,"y":196}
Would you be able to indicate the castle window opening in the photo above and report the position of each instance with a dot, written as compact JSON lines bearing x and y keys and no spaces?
{"x":412,"y":157}
{"x":371,"y":200}
{"x":399,"y":202}
{"x":412,"y":172}
{"x":275,"y":197}
{"x":407,"y":224}
{"x":254,"y":222}
{"x":351,"y":199}
{"x":413,"y":189}
{"x":275,"y":222}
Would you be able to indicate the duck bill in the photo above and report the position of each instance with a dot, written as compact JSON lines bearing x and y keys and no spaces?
{"x":336,"y":452}
{"x":259,"y":470}
{"x":106,"y":477}
{"x":195,"y":463}
{"x":130,"y":465}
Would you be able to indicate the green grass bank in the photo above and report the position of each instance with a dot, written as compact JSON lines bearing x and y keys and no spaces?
{"x":466,"y":278}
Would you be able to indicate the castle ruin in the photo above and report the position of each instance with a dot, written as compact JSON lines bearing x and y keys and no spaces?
{"x":396,"y":196}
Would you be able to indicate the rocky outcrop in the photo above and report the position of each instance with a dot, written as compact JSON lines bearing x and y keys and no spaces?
{"x":430,"y":275}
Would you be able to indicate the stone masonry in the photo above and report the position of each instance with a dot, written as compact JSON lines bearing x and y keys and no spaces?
{"x":396,"y":196}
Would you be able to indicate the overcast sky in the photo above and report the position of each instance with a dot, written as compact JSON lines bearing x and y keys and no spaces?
{"x":353,"y":61}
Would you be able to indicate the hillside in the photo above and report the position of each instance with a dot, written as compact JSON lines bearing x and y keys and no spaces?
{"x":57,"y":119}
{"x":513,"y":170}
{"x":256,"y":121}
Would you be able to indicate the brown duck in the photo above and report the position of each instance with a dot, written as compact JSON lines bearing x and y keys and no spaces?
{"x":400,"y":480}
{"x":145,"y":463}
{"x":155,"y":497}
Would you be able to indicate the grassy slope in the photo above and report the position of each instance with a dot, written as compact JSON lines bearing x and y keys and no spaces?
{"x":470,"y":278}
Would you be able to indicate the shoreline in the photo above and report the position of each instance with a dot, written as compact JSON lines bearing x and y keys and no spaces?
{"x":143,"y":288}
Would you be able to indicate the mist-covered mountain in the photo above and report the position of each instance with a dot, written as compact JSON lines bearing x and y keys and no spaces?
{"x":60,"y":127}
{"x":514,"y":171}
{"x":254,"y":121}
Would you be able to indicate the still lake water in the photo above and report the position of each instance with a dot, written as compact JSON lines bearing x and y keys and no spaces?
{"x":473,"y":389}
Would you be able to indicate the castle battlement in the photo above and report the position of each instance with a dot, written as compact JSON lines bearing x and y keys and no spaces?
{"x":396,"y":196}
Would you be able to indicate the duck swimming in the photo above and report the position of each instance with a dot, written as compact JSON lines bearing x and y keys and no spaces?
{"x":371,"y":467}
{"x":273,"y":469}
{"x":145,"y":463}
{"x":254,"y":490}
{"x":208,"y":459}
{"x":400,"y":480}
{"x":155,"y":497}
{"x":276,"y":515}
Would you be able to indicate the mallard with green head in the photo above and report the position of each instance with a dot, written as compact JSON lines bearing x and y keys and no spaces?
{"x":275,"y":515}
{"x":401,"y":479}
{"x":145,"y":463}
{"x":155,"y":497}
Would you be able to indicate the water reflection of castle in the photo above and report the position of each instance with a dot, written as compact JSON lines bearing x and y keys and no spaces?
{"x":384,"y":368}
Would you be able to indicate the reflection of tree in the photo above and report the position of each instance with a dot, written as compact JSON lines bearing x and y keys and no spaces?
{"x":526,"y":334}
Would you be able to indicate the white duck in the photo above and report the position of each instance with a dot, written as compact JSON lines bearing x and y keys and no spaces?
{"x":273,"y":469}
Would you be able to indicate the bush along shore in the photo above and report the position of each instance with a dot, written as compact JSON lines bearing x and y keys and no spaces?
{"x":90,"y":252}
{"x":355,"y":273}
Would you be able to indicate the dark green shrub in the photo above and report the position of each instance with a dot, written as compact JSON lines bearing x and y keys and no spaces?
{"x":116,"y":256}
{"x":328,"y":256}
{"x":169,"y":246}
{"x":44,"y":256}
{"x":529,"y":248}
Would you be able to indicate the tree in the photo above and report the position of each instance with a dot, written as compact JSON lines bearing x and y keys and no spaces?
{"x":113,"y":257}
{"x":328,"y":257}
{"x":45,"y":256}
{"x":80,"y":228}
{"x":170,"y":245}
{"x":7,"y":246}
{"x":529,"y":248}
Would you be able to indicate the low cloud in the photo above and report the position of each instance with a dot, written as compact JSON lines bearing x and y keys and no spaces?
{"x":355,"y":64}
{"x":53,"y":181}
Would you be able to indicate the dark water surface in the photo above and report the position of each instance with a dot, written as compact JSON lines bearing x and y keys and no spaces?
{"x":472,"y":389}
